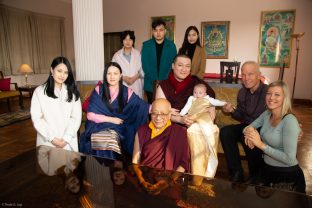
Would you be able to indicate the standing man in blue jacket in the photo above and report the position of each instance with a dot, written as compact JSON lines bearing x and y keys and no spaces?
{"x":157,"y":57}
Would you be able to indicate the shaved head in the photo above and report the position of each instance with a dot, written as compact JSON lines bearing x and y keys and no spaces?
{"x":252,"y":64}
{"x":251,"y":75}
{"x":160,"y":112}
{"x":161,"y":102}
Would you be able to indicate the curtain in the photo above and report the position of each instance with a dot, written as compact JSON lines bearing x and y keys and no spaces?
{"x":27,"y":37}
{"x":49,"y":41}
{"x":15,"y":39}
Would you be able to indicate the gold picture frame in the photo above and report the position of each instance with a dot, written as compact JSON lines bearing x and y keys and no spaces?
{"x":215,"y":39}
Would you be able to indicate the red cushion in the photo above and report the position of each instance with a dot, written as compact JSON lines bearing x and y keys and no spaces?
{"x":85,"y":104}
{"x":5,"y":84}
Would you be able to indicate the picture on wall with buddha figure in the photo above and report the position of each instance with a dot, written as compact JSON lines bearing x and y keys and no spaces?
{"x":215,"y":39}
{"x":275,"y":41}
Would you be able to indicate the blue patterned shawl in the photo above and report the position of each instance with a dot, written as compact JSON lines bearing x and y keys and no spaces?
{"x":135,"y":113}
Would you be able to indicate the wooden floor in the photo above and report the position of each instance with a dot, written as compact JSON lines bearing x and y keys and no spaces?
{"x":16,"y":138}
{"x":21,"y":137}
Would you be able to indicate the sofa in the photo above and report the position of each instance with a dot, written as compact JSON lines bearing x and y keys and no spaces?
{"x":228,"y":93}
{"x":9,"y":91}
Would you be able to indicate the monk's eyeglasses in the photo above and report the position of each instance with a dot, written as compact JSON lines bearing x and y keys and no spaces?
{"x":161,"y":115}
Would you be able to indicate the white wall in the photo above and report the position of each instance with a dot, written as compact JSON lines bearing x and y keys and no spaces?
{"x":52,"y":7}
{"x":244,"y":28}
{"x":244,"y":15}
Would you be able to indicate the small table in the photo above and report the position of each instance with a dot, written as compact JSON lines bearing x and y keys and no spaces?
{"x":28,"y":88}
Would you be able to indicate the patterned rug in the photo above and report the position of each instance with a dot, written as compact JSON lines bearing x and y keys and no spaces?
{"x":13,"y":117}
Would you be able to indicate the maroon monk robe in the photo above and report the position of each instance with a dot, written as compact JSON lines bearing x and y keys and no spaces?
{"x":179,"y":100}
{"x":168,"y":150}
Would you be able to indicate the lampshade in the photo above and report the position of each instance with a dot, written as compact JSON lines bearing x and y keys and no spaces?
{"x":25,"y":68}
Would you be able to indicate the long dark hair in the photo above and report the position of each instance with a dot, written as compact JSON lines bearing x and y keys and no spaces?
{"x":70,"y":81}
{"x":106,"y":95}
{"x":186,"y":44}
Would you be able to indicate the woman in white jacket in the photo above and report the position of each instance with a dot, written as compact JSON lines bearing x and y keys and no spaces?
{"x":130,"y":61}
{"x":56,"y":108}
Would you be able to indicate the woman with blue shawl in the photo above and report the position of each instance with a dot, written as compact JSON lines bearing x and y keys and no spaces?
{"x":113,"y":109}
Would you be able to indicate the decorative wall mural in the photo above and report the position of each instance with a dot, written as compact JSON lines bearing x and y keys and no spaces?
{"x":215,"y":39}
{"x":275,"y":38}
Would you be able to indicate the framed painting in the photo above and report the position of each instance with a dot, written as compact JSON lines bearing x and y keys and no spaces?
{"x":275,"y":40}
{"x":170,"y":26}
{"x":215,"y":39}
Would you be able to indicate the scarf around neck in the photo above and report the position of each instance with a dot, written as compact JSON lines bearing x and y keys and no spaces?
{"x":179,"y":86}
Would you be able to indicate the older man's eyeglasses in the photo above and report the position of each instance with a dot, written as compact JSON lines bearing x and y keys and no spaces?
{"x":161,"y":115}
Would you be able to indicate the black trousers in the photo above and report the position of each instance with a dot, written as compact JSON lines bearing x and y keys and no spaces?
{"x":230,"y":136}
{"x":287,"y":178}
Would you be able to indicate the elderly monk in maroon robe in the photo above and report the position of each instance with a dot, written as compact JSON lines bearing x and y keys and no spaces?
{"x":177,"y":89}
{"x":161,"y":144}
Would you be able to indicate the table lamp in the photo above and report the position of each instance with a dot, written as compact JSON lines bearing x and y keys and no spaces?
{"x":25,"y":68}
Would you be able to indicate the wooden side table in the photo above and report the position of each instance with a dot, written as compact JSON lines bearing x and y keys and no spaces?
{"x":29,"y":88}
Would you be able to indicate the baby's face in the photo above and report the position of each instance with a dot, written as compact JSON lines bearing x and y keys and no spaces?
{"x":199,"y":92}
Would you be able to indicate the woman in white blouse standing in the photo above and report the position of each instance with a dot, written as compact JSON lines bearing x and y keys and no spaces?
{"x":130,"y":61}
{"x":56,"y":108}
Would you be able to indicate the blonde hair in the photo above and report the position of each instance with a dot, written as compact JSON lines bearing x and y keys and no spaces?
{"x":286,"y":107}
{"x":201,"y":85}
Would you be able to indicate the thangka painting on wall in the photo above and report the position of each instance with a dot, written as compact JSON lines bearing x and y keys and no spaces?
{"x":275,"y":41}
{"x":215,"y":39}
{"x":170,"y":26}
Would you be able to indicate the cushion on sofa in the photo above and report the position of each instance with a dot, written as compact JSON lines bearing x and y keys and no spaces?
{"x":5,"y":84}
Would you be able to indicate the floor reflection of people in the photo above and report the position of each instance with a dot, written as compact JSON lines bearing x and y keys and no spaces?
{"x":264,"y":192}
{"x":72,"y":183}
{"x":118,"y":173}
{"x":50,"y":159}
{"x":55,"y":161}
{"x":99,"y":186}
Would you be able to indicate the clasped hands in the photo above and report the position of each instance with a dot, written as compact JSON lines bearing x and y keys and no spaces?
{"x":115,"y":120}
{"x":252,"y":137}
{"x":131,"y":80}
{"x":59,"y":142}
